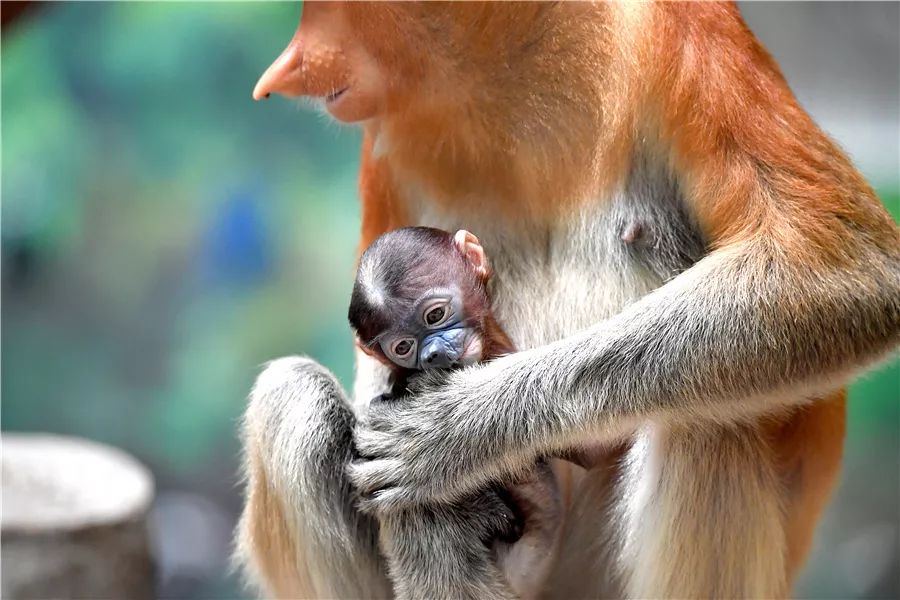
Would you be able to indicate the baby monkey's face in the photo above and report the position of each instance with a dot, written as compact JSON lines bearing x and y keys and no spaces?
{"x":420,"y":299}
{"x":435,"y":334}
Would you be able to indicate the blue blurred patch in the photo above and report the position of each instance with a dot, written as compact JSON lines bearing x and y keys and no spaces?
{"x":237,"y":248}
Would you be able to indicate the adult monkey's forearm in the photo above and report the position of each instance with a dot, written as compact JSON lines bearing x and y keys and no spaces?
{"x":741,"y":332}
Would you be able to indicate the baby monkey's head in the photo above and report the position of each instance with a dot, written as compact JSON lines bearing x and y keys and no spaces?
{"x":420,"y":299}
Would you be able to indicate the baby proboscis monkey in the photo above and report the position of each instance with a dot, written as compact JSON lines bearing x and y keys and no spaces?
{"x":420,"y":303}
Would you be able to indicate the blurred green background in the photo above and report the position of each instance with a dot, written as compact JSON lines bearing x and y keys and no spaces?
{"x":163,"y":236}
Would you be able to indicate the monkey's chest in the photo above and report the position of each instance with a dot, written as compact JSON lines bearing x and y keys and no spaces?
{"x":545,"y":293}
{"x":551,"y":280}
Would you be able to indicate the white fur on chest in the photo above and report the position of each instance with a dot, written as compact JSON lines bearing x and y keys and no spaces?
{"x":551,"y":281}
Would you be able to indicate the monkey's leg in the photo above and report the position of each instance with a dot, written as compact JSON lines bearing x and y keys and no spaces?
{"x":703,"y":515}
{"x":300,"y":535}
{"x":446,"y":551}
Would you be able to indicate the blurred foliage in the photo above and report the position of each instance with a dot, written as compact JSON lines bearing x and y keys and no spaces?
{"x":163,"y":236}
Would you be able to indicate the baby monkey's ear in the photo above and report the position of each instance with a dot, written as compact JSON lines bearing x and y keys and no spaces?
{"x":471,"y":248}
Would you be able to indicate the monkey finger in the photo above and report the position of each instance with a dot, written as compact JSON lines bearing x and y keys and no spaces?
{"x":384,"y":501}
{"x":371,"y":444}
{"x":371,"y":476}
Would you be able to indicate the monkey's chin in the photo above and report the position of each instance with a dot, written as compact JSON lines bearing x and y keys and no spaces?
{"x":350,"y":106}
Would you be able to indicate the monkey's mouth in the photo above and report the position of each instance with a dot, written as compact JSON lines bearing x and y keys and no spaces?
{"x":334,"y":96}
{"x":471,"y":353}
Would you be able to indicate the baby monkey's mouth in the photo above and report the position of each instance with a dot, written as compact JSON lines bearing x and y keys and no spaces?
{"x":472,"y":350}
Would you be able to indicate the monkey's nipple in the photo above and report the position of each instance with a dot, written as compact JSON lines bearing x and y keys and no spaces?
{"x":632,"y":232}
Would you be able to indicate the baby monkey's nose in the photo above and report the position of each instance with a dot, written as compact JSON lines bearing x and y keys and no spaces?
{"x":438,"y":360}
{"x":437,"y":353}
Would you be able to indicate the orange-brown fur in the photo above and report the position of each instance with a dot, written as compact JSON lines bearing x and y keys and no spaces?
{"x":268,"y":540}
{"x":497,"y":343}
{"x":506,"y":155}
{"x":381,"y":209}
{"x":808,"y":445}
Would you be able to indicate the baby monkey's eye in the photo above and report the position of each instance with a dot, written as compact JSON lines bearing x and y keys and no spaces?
{"x":435,"y":315}
{"x":403,"y":347}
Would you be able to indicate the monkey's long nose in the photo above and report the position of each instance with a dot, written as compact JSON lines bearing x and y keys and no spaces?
{"x":309,"y":66}
{"x":283,"y":75}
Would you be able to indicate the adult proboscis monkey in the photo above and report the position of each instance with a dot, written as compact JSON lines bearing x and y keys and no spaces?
{"x":690,"y":269}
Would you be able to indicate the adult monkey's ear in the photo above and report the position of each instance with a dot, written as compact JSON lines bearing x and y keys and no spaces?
{"x":471,"y":248}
